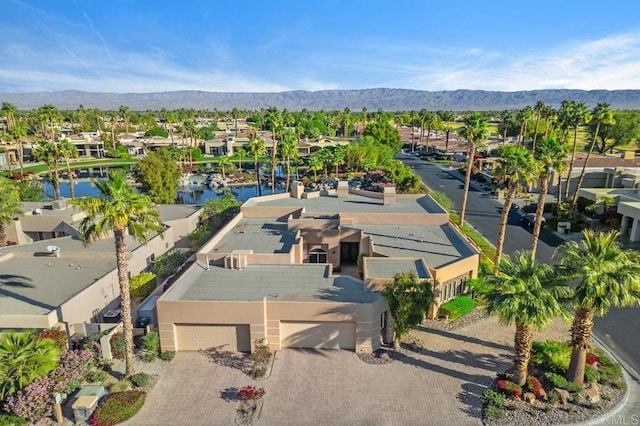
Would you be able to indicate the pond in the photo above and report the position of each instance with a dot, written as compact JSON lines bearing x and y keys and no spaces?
{"x":187,"y":194}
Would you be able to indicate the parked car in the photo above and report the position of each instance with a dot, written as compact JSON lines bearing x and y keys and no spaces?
{"x":529,"y":219}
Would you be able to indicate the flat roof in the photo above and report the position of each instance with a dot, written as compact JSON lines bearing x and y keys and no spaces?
{"x":438,"y":245}
{"x":352,"y":204}
{"x":34,"y":282}
{"x":382,"y":268}
{"x":300,"y":283}
{"x":262,"y":235}
{"x":177,"y":211}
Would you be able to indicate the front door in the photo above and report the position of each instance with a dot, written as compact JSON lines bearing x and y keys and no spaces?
{"x":349,"y":252}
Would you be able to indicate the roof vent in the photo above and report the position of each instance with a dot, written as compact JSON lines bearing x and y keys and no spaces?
{"x":54,"y":250}
{"x":36,"y":211}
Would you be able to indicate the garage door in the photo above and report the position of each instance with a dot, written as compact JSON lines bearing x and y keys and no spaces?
{"x":234,"y":338}
{"x":326,"y":335}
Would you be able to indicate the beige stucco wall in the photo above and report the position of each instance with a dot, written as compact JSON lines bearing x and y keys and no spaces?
{"x":264,"y":318}
{"x":18,"y":322}
{"x":184,"y":226}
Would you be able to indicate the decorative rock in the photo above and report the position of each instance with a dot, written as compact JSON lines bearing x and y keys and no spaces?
{"x":529,"y":397}
{"x":543,"y":395}
{"x":592,"y":393}
{"x":565,"y":396}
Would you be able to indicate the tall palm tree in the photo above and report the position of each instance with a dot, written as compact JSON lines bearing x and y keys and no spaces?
{"x":602,"y":114}
{"x":125,"y":113}
{"x":339,"y":157}
{"x":551,"y":154}
{"x":524,"y":115}
{"x":315,"y":163}
{"x":49,"y":153}
{"x":222,"y":162}
{"x":24,"y":357}
{"x":447,"y":117}
{"x":241,"y":153}
{"x":18,"y":131}
{"x":515,"y":165}
{"x":346,"y":120}
{"x":68,"y":151}
{"x":364,"y":119}
{"x":607,"y":276}
{"x":9,"y":111}
{"x":49,"y":116}
{"x":524,"y":293}
{"x":475,"y":130}
{"x":121,"y":210}
{"x":430,"y":119}
{"x":579,"y":114}
{"x":539,"y":110}
{"x":289,"y":151}
{"x":275,"y":120}
{"x":236,"y":114}
{"x":256,"y":148}
{"x":10,"y":206}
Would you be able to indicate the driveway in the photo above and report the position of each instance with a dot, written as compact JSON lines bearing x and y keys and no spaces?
{"x":439,"y":384}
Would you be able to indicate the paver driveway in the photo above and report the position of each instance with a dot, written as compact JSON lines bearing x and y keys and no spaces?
{"x":440,"y":384}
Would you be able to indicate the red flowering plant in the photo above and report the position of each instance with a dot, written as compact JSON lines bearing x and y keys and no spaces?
{"x":509,"y":388}
{"x":59,"y":337}
{"x":534,"y":386}
{"x":250,"y":393}
{"x":592,"y":358}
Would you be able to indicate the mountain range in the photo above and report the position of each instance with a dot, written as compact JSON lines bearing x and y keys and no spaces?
{"x":372,"y":99}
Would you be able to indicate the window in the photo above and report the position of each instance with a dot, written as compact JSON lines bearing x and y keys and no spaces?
{"x":150,"y":260}
{"x":317,"y":256}
{"x":383,"y":321}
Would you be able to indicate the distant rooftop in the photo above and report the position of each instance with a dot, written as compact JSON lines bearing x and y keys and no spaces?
{"x":304,"y":283}
{"x":352,"y":204}
{"x":170,"y":212}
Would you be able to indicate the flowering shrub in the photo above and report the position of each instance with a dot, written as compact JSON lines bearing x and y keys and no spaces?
{"x":250,"y":393}
{"x":509,"y":388}
{"x":117,"y":345}
{"x":592,"y":359}
{"x":118,"y":407}
{"x":58,"y":336}
{"x":34,"y":401}
{"x":534,"y":386}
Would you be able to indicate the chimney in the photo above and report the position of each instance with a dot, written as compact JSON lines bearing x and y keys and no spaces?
{"x":343,"y":189}
{"x":297,"y":188}
{"x":388,"y":195}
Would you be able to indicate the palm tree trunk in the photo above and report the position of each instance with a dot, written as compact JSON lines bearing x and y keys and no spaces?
{"x":255,"y":165}
{"x":56,"y":180}
{"x":537,"y":225}
{"x":522,"y":352}
{"x":288,"y":172}
{"x":3,"y":235}
{"x":72,"y":188}
{"x":273,"y":163}
{"x":502,"y":230}
{"x":580,"y":335}
{"x":125,"y":298}
{"x":21,"y":158}
{"x":446,"y":143}
{"x":467,"y":181}
{"x":584,"y":167}
{"x":573,"y":156}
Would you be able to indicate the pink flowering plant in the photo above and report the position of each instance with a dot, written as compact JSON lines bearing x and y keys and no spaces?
{"x":250,"y":393}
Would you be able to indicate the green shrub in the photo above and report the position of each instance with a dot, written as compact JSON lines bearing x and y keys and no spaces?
{"x":561,"y":382}
{"x":199,"y":236}
{"x":151,"y":342}
{"x":118,"y":407}
{"x":551,"y":355}
{"x":9,"y":419}
{"x":260,"y":357}
{"x":143,"y":285}
{"x":491,"y":412}
{"x":491,"y":397}
{"x":442,"y":199}
{"x":97,"y":376}
{"x":591,"y":375}
{"x":148,"y":356}
{"x":168,"y":264}
{"x":117,"y":345}
{"x":140,"y":380}
{"x":553,"y":397}
{"x":458,"y":306}
{"x":168,"y":356}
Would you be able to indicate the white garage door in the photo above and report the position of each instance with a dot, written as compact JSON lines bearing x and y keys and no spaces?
{"x":325,"y":335}
{"x":234,"y":338}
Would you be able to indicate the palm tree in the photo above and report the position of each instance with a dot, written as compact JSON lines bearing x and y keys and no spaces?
{"x":578,"y":114}
{"x":524,"y":293}
{"x":49,"y":115}
{"x":222,"y":162}
{"x":602,"y":114}
{"x":524,"y":115}
{"x":607,"y":276}
{"x":539,"y":110}
{"x":275,"y":119}
{"x":236,"y":114}
{"x":9,"y":111}
{"x":474,"y":131}
{"x":241,"y":153}
{"x":551,"y":154}
{"x":10,"y":206}
{"x":125,"y":114}
{"x":49,"y":153}
{"x":339,"y":157}
{"x":315,"y":163}
{"x":68,"y":150}
{"x":18,"y":131}
{"x":121,"y":210}
{"x":256,"y":148}
{"x":364,"y":119}
{"x":289,"y":151}
{"x":515,"y":165}
{"x":24,"y":357}
{"x":447,"y":117}
{"x":346,"y":117}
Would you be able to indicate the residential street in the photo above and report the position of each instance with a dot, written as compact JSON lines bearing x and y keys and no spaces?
{"x":618,"y":330}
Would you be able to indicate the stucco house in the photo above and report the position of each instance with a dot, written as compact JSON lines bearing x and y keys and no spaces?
{"x":284,"y":269}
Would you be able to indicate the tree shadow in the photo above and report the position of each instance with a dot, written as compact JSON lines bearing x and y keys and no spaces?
{"x":466,"y":339}
{"x":16,"y":281}
{"x":230,"y":395}
{"x":470,"y":398}
{"x":236,"y":360}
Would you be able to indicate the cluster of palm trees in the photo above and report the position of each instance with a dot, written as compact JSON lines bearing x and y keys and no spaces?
{"x":590,"y":277}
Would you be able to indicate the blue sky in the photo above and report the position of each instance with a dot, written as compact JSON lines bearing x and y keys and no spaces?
{"x":263,"y":46}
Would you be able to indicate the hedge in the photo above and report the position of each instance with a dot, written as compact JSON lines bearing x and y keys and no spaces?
{"x":143,"y":285}
{"x":458,"y":307}
{"x":118,"y":407}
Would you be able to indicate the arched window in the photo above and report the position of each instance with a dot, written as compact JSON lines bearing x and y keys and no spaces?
{"x":317,"y":256}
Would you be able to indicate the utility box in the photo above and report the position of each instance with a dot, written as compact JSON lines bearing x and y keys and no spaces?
{"x":112,"y":317}
{"x":87,"y":400}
